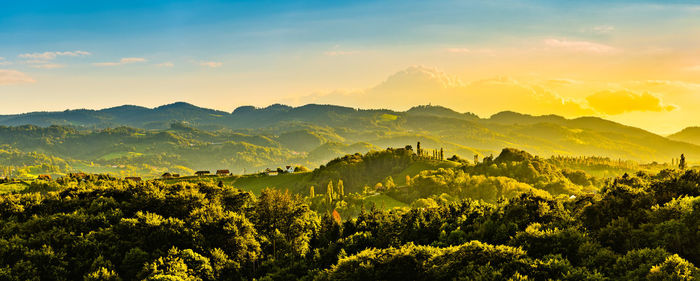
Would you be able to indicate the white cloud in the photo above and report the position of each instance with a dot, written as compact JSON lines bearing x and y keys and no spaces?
{"x":53,"y":55}
{"x":578,"y":46}
{"x":120,"y":62}
{"x":35,"y":61}
{"x":130,"y":60}
{"x":423,"y":85}
{"x":48,"y":66}
{"x":618,"y":102}
{"x":106,"y":63}
{"x":481,"y":51}
{"x":458,"y":50}
{"x":165,"y":64}
{"x":599,"y":29}
{"x":10,"y":77}
{"x":211,"y":64}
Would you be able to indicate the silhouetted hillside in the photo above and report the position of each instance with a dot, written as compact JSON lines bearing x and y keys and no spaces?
{"x":689,"y":135}
{"x":302,"y":131}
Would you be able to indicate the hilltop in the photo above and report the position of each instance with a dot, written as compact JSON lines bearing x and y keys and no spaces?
{"x":181,"y":137}
{"x":689,"y":135}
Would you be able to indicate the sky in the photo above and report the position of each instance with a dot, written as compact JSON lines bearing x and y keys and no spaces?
{"x":634,"y":62}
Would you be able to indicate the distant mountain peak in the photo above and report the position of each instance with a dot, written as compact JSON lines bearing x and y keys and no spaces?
{"x":126,"y":107}
{"x":279,"y":107}
{"x":689,"y":134}
{"x":516,"y":117}
{"x":177,"y":105}
{"x":438,"y":110}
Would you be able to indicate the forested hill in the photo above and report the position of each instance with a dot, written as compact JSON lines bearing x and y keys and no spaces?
{"x":322,"y":132}
{"x":95,"y":227}
{"x":690,"y":135}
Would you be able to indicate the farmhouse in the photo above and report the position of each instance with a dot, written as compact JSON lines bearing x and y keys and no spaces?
{"x":77,"y":175}
{"x":44,"y":177}
{"x":169,"y":175}
{"x":222,"y":172}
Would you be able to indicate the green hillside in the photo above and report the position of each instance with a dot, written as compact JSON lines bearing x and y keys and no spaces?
{"x":516,"y":216}
{"x":689,"y":135}
{"x":183,"y":138}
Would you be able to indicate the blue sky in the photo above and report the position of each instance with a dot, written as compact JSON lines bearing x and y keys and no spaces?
{"x":95,"y":54}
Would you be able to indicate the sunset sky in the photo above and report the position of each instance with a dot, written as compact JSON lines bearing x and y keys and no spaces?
{"x":634,"y":62}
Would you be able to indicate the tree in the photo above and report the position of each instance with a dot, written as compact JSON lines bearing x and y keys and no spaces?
{"x":389,"y":183}
{"x":674,"y":268}
{"x":329,"y":192}
{"x":180,"y":265}
{"x":300,"y":169}
{"x":285,"y":222}
{"x":681,"y":164}
{"x":341,"y":189}
{"x":102,"y":274}
{"x":312,"y":194}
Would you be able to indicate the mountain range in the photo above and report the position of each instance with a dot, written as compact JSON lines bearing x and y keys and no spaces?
{"x":187,"y":136}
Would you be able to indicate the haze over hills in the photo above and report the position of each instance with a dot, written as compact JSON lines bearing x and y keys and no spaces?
{"x":184,"y":137}
{"x":689,"y":135}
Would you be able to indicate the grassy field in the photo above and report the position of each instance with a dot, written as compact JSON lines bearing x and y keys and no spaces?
{"x":115,"y":155}
{"x":294,"y":182}
{"x":384,"y":201}
{"x":254,"y":183}
{"x":299,"y":182}
{"x":12,"y":187}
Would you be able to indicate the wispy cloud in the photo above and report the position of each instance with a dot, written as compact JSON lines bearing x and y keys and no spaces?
{"x":578,"y":46}
{"x":212,"y":64}
{"x":53,"y":55}
{"x":130,"y":60}
{"x":459,"y":50}
{"x":480,"y":51}
{"x":618,"y":102}
{"x":165,"y":64}
{"x":43,"y":60}
{"x":4,"y":62}
{"x":11,"y":77}
{"x":120,"y":62}
{"x":48,"y":66}
{"x":599,"y":29}
{"x":35,"y":61}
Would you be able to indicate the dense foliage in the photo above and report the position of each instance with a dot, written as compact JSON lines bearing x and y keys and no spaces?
{"x":182,"y":138}
{"x":639,"y":227}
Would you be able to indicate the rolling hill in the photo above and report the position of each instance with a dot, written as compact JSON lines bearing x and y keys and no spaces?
{"x":689,"y":135}
{"x":183,"y":137}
